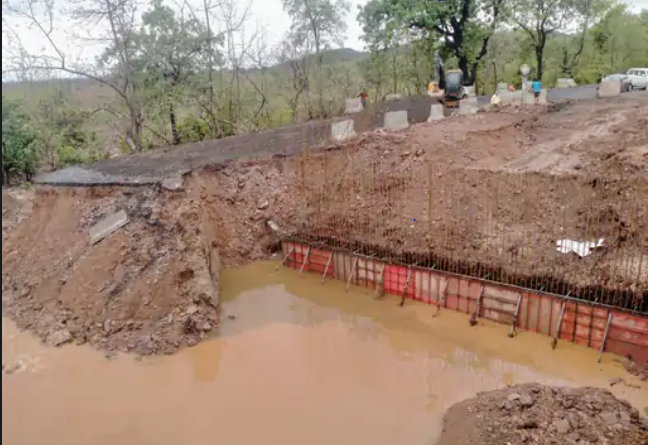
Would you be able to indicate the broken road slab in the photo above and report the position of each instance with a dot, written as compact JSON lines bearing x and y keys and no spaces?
{"x":107,"y":226}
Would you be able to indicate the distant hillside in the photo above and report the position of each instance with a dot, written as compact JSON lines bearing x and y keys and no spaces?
{"x":331,"y":57}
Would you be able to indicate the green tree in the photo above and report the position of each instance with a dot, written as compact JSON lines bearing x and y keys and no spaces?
{"x":620,"y":40}
{"x":542,"y":19}
{"x":19,"y":156}
{"x":169,"y":52}
{"x":464,"y":25}
{"x":58,"y":127}
{"x":318,"y":24}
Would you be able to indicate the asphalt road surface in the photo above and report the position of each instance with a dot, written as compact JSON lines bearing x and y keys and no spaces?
{"x":577,"y":93}
{"x":155,"y":166}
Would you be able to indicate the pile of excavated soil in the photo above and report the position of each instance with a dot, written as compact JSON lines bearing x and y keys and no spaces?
{"x":399,"y":198}
{"x":537,"y":414}
{"x":150,"y":287}
{"x":594,"y":137}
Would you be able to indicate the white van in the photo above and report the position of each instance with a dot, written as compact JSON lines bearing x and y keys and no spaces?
{"x":638,"y":77}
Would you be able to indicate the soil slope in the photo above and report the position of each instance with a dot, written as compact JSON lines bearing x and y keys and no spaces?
{"x":147,"y":288}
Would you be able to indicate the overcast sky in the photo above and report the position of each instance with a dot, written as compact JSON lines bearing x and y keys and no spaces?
{"x":269,"y":13}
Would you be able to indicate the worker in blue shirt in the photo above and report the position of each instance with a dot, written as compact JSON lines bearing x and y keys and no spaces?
{"x":536,"y":86}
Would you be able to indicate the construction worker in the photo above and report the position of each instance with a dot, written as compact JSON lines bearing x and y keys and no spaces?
{"x":363,"y":97}
{"x":430,"y":86}
{"x":536,"y":86}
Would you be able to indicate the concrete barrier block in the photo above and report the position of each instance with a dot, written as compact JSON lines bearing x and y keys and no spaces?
{"x":468,"y":106}
{"x":396,"y":120}
{"x":510,"y":97}
{"x":529,"y":98}
{"x":436,"y":112}
{"x":107,"y":226}
{"x":341,"y":131}
{"x":353,"y":105}
{"x":392,"y":97}
{"x":609,"y":88}
{"x":502,"y":86}
{"x":566,"y":83}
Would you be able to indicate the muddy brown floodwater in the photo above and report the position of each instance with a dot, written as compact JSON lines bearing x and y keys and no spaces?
{"x":295,"y":363}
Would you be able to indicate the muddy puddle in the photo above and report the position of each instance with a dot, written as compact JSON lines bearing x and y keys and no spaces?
{"x":295,"y":363}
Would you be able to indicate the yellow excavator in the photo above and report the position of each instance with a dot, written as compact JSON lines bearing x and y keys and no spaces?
{"x":449,"y":88}
{"x":446,"y":87}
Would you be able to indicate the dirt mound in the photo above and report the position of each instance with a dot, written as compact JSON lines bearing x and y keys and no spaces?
{"x":16,"y":207}
{"x":601,"y":137}
{"x":536,"y":414}
{"x":151,"y":287}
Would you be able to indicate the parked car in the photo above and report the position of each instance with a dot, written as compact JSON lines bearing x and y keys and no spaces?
{"x":626,"y":83}
{"x":638,"y":78}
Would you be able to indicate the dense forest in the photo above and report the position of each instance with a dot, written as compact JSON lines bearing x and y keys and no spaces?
{"x":171,"y":72}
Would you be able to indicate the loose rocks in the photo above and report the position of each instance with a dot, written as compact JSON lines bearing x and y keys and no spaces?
{"x":536,"y":414}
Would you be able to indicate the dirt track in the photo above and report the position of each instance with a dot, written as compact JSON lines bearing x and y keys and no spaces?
{"x":152,"y":167}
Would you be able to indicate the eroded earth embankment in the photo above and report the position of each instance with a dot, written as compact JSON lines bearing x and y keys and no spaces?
{"x":152,"y":286}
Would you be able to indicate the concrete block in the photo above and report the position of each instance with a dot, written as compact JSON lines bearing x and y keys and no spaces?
{"x":470,"y":90}
{"x":353,"y":105}
{"x":436,"y":112}
{"x":341,"y":131}
{"x":609,"y":88}
{"x":508,"y":97}
{"x":566,"y":83}
{"x":502,"y":86}
{"x":468,"y":106}
{"x":529,"y":99}
{"x":392,"y":97}
{"x":396,"y":120}
{"x":107,"y":226}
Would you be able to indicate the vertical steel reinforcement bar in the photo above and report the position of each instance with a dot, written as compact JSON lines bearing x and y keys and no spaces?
{"x":292,"y":249}
{"x":605,"y":335}
{"x":442,"y":296}
{"x":353,"y":270}
{"x":473,"y":318}
{"x":328,"y":264}
{"x":409,"y":276}
{"x":515,"y":317}
{"x":554,"y":341}
{"x":380,"y":287}
{"x":304,"y":260}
